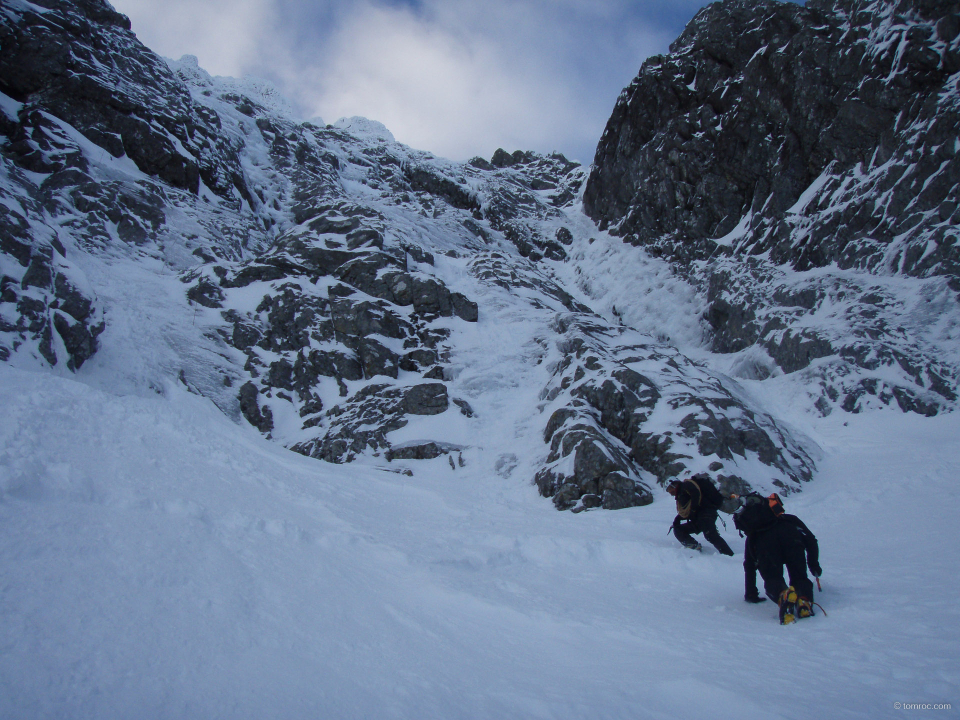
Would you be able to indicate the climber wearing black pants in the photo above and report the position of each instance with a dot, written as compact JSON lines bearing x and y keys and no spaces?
{"x":789,"y":542}
{"x":696,"y":514}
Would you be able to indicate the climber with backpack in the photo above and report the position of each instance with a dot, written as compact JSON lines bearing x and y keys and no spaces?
{"x":698,"y":501}
{"x":775,"y":539}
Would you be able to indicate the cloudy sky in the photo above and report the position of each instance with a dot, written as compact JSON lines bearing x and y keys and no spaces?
{"x":456,"y":77}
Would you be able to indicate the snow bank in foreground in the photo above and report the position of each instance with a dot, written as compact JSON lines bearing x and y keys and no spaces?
{"x":158,"y":561}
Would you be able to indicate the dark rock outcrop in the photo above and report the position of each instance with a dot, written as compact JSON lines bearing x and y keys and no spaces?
{"x":615,"y":424}
{"x":57,"y":314}
{"x":765,"y":114}
{"x":140,"y":110}
{"x":373,"y":320}
{"x":361,"y":423}
{"x":817,"y":139}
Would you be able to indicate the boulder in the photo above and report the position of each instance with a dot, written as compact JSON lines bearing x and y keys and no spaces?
{"x":426,"y":399}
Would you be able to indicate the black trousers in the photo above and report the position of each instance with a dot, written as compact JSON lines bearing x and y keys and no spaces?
{"x":781,"y":545}
{"x":705,"y":521}
{"x":750,"y":571}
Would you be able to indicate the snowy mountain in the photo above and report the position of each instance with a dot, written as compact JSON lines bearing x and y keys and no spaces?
{"x":309,"y":360}
{"x":334,"y":280}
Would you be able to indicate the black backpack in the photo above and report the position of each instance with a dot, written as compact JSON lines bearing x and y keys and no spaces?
{"x":758,"y":513}
{"x":709,"y":495}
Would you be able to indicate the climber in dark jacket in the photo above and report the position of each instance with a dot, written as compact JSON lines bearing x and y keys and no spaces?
{"x":695,"y":514}
{"x":787,"y":542}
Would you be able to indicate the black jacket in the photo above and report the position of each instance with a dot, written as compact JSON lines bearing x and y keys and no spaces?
{"x":755,"y":542}
{"x":692,"y":499}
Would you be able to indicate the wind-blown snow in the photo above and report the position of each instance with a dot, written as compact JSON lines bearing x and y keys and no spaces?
{"x":161,"y":561}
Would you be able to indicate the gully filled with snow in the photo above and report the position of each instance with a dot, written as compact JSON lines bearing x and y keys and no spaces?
{"x":289,"y":409}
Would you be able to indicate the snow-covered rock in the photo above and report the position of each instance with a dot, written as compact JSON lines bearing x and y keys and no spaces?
{"x":365,"y":128}
{"x":800,"y":164}
{"x":360,"y":301}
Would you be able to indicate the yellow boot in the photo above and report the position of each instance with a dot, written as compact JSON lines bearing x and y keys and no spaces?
{"x":804,"y":608}
{"x":788,"y":606}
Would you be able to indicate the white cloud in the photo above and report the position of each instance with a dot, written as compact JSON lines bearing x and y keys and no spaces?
{"x":462,"y":78}
{"x":455,"y":77}
{"x":225,"y":35}
{"x":437,"y":89}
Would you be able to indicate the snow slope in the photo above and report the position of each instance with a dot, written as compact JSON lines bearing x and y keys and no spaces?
{"x":159,"y":561}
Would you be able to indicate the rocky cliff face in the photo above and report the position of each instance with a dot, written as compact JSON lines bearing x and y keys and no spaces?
{"x":795,"y":161}
{"x":360,"y":301}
